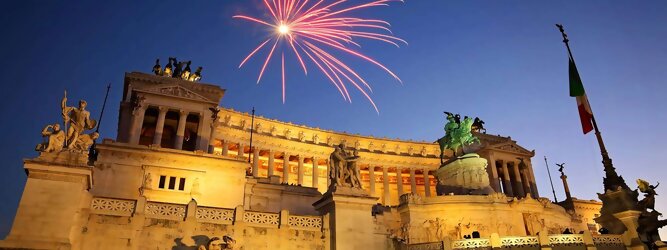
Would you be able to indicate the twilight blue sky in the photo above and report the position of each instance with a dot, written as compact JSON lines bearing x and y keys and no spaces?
{"x":500,"y":60}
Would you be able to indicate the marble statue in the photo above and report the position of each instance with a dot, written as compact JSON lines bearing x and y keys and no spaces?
{"x":77,"y":120}
{"x":85,"y":141}
{"x":343,"y":168}
{"x":457,"y":135}
{"x":55,"y":139}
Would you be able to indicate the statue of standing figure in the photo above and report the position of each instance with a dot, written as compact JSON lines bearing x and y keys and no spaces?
{"x":77,"y":120}
{"x":343,"y":168}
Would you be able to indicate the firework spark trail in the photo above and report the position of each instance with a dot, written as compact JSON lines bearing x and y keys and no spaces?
{"x":308,"y":27}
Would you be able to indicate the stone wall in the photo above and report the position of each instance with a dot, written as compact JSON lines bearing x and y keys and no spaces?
{"x":137,"y":224}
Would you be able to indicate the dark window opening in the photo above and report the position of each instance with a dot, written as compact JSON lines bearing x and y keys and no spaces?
{"x":181,"y":185}
{"x":162,"y":180}
{"x":172,"y":182}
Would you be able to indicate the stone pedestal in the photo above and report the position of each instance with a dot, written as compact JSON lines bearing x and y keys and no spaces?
{"x":350,"y":219}
{"x":49,"y":213}
{"x":631,"y":237}
{"x":614,"y":202}
{"x":463,"y":175}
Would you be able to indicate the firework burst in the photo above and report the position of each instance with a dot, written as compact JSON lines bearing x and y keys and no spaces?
{"x":310,"y":29}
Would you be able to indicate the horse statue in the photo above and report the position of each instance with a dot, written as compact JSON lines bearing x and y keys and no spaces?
{"x":456,"y":136}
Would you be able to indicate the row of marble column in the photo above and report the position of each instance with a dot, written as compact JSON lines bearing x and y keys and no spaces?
{"x":315,"y":177}
{"x":514,"y":181}
{"x":138,"y":121}
{"x":399,"y":181}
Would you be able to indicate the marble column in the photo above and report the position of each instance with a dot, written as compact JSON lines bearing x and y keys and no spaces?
{"x":286,"y":168}
{"x":385,"y":185}
{"x":399,"y":181}
{"x":533,"y":185}
{"x":180,"y":130}
{"x":413,"y":181}
{"x":494,"y":173}
{"x":328,"y":174}
{"x":211,"y":138}
{"x":526,"y":182}
{"x":255,"y":161}
{"x":271,"y":163}
{"x":507,"y":183}
{"x":316,"y":173}
{"x":137,"y":124}
{"x":159,"y":127}
{"x":300,"y":169}
{"x":240,"y":150}
{"x":427,"y":183}
{"x":225,"y":147}
{"x":371,"y":176}
{"x":518,"y":185}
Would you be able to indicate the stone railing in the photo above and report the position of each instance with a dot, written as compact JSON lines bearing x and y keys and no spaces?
{"x":426,"y":246}
{"x":213,"y":215}
{"x":108,"y":206}
{"x":608,"y":240}
{"x":566,"y":239}
{"x":471,"y":243}
{"x":265,"y":219}
{"x":165,"y":211}
{"x":560,"y":241}
{"x":520,"y":241}
{"x":306,"y":222}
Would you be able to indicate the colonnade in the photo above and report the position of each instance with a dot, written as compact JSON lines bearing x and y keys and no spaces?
{"x":312,"y":171}
{"x":514,"y":177}
{"x":138,"y":118}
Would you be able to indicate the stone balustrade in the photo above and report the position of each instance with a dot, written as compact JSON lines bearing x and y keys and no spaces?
{"x":109,"y":206}
{"x":213,"y":215}
{"x":556,"y":241}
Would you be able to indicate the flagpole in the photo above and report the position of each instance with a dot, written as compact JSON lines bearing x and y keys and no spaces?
{"x":612,"y":181}
{"x":550,"y":181}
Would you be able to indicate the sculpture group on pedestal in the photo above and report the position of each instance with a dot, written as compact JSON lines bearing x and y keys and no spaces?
{"x":648,"y":221}
{"x":175,"y":69}
{"x":458,"y":134}
{"x":343,"y":168}
{"x":76,"y":120}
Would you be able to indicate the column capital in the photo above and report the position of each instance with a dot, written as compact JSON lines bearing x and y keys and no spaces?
{"x":183,"y":112}
{"x":163,"y":109}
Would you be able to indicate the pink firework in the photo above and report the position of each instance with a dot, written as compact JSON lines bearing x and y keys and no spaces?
{"x":310,"y":28}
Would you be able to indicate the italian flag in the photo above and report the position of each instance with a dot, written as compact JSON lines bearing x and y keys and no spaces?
{"x":577,"y":90}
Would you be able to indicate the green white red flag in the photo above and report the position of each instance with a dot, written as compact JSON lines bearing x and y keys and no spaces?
{"x":577,"y":91}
